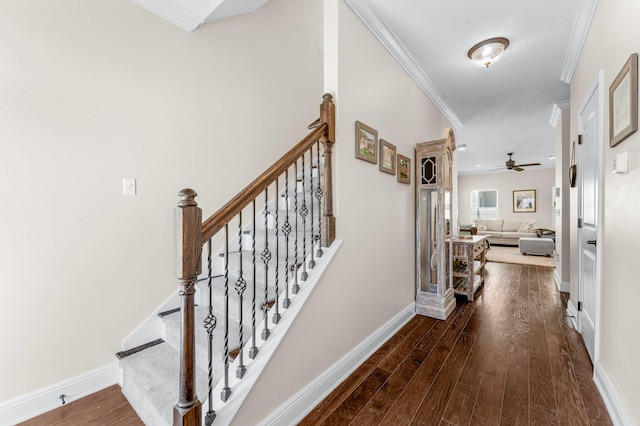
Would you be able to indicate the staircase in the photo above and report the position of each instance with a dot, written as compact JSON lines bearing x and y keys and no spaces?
{"x":263,"y":262}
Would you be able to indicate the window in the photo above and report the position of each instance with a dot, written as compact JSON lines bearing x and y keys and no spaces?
{"x":484,"y":204}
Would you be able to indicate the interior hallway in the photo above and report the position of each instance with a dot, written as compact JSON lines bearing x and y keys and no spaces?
{"x":508,"y":358}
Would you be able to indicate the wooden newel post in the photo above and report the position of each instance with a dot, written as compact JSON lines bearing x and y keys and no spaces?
{"x":328,"y":115}
{"x":188,"y":234}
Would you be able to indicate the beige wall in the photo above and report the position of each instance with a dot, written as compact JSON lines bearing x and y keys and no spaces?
{"x":613,"y":36}
{"x":562,"y":212}
{"x":542,"y":180}
{"x":91,"y":92}
{"x":371,"y":278}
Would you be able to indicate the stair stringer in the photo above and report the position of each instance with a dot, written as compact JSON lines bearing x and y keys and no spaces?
{"x":151,"y":328}
{"x":226,"y":411}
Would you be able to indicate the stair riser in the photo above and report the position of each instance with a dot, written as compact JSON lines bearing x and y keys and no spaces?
{"x":272,"y":273}
{"x":172,"y":337}
{"x":234,"y":299}
{"x":281,"y":219}
{"x":218,"y":266}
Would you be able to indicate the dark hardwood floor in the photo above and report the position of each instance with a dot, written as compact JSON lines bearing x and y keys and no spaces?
{"x":509,"y":358}
{"x":107,"y":407}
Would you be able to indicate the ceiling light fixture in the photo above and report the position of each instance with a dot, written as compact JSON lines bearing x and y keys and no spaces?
{"x":552,"y":157}
{"x":462,"y":147}
{"x":488,"y":51}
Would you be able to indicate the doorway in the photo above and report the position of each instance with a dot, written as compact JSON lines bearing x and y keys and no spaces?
{"x":588,"y":217}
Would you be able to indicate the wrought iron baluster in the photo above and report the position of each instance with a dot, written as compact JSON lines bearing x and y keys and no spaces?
{"x":266,"y":257}
{"x":276,"y":314}
{"x":312,"y":262}
{"x":254,"y":348}
{"x":303,"y":213}
{"x":296,"y":287}
{"x":286,"y":229}
{"x":226,"y":391}
{"x":210,"y":324}
{"x":319,"y":195}
{"x":241,"y":286}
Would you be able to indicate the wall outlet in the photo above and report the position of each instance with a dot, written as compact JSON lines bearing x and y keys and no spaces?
{"x":129,"y":186}
{"x":621,"y":163}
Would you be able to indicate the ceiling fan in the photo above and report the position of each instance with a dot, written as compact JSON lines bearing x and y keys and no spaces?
{"x":510,"y":164}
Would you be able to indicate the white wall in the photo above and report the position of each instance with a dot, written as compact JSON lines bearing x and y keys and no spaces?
{"x":542,"y":180}
{"x":372,"y":276}
{"x":614,"y":35}
{"x":91,"y":92}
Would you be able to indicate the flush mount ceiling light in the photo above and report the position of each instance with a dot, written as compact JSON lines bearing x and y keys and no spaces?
{"x":488,"y":51}
{"x":462,"y":147}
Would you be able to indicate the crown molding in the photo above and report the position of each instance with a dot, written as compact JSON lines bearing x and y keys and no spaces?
{"x":556,"y":108}
{"x":229,"y":8}
{"x":173,"y":13}
{"x":586,"y":11}
{"x":388,"y":39}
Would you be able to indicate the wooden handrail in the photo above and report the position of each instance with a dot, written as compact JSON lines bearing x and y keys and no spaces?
{"x":227,"y":212}
{"x":191,"y":233}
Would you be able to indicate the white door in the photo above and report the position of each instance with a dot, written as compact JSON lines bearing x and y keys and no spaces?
{"x":588,"y":165}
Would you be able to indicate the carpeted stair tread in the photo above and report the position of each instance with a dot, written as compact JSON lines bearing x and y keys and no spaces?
{"x":150,"y":377}
{"x":172,"y":337}
{"x":150,"y":383}
{"x":234,"y":298}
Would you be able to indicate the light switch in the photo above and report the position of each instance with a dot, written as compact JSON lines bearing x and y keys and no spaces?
{"x":129,"y":186}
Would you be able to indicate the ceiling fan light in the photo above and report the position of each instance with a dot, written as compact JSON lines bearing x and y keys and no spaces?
{"x":488,"y":51}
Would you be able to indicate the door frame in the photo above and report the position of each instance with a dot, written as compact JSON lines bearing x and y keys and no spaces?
{"x":596,"y":88}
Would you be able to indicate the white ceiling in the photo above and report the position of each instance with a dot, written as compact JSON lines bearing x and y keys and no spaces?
{"x":507,"y":107}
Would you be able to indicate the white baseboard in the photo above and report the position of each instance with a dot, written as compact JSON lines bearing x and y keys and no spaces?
{"x":572,"y":313}
{"x":563,"y":286}
{"x":298,"y":406}
{"x":610,"y":397}
{"x":27,"y":406}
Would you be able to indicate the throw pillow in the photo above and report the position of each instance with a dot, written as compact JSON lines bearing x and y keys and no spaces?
{"x":510,"y":225}
{"x":494,"y":225}
{"x":527,"y":226}
{"x":481,"y":224}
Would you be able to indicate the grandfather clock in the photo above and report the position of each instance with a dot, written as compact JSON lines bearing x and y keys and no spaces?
{"x":434,"y":292}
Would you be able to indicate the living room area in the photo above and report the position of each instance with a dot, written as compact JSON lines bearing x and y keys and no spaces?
{"x":514,"y":209}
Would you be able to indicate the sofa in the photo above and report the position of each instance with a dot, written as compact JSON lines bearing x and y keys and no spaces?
{"x":506,"y":231}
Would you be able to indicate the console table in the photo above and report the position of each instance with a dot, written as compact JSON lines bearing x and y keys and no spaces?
{"x":468,"y":261}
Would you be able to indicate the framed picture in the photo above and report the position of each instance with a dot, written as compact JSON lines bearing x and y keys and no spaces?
{"x":366,"y":143}
{"x":387,"y":157}
{"x":524,"y":201}
{"x":404,"y":169}
{"x":623,"y":102}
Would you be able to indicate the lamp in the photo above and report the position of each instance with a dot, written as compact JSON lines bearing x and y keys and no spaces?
{"x":488,"y":51}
